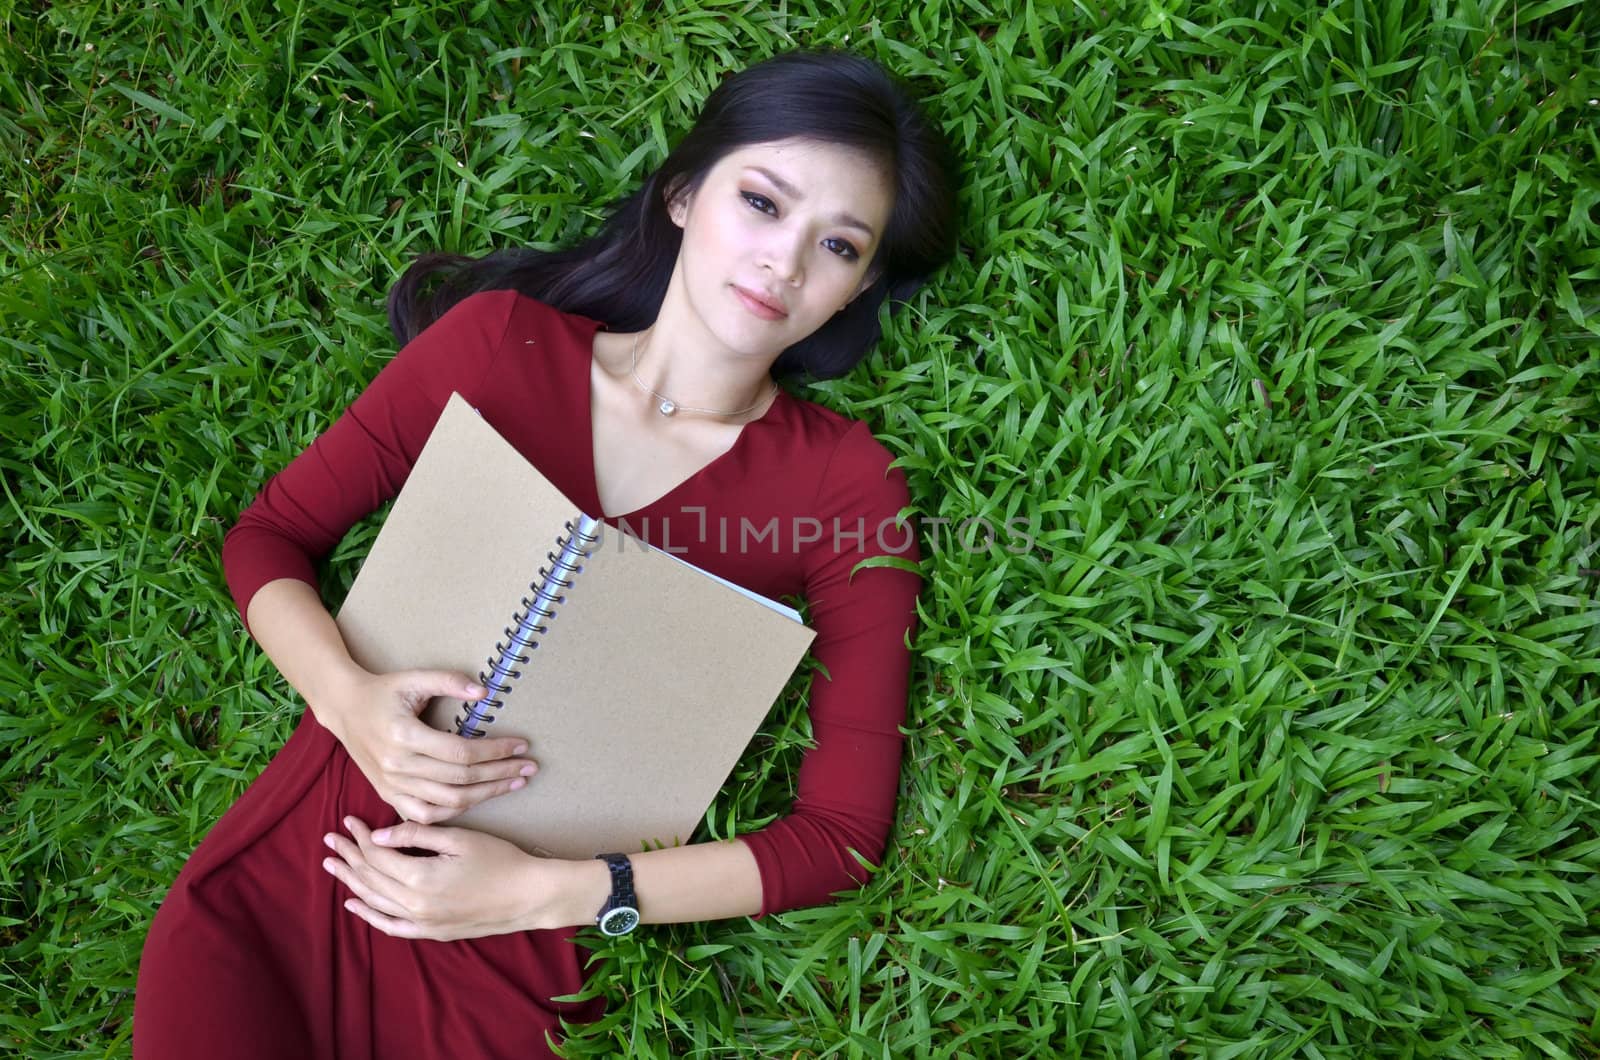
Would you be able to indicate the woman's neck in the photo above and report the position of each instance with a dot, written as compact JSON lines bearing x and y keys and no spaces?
{"x":680,"y":360}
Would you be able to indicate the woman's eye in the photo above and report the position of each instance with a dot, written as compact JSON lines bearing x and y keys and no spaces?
{"x":845,"y":250}
{"x":841,"y":247}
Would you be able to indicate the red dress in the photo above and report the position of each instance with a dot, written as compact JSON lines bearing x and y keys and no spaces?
{"x":253,"y":955}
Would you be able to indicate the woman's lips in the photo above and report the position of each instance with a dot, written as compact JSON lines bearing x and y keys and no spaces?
{"x":758,"y":307}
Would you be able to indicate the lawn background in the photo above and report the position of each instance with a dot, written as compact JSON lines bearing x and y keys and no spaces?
{"x":1280,"y":322}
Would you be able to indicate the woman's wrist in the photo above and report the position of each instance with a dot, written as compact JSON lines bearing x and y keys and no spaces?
{"x":292,"y":625}
{"x":564,"y":893}
{"x":330,"y":691}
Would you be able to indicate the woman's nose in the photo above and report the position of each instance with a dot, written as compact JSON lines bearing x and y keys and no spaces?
{"x":784,"y":255}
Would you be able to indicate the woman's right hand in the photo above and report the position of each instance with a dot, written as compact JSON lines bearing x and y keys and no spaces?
{"x":426,"y":775}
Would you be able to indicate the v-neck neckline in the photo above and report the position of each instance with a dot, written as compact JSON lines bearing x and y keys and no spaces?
{"x":592,"y":479}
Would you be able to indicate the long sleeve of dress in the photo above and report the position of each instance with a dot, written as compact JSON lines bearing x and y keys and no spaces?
{"x":362,"y":460}
{"x":865,"y":622}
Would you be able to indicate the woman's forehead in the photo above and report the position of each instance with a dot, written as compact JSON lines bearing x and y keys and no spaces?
{"x":800,"y":152}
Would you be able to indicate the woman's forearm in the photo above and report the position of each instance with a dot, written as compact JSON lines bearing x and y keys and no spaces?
{"x":289,"y":620}
{"x":702,"y":881}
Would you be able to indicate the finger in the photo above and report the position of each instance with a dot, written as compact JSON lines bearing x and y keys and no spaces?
{"x":425,"y":684}
{"x":456,"y":798}
{"x":374,"y":898}
{"x":352,"y":867}
{"x":438,"y":771}
{"x":394,"y":868}
{"x":415,"y":809}
{"x":424,"y":739}
{"x":389,"y":925}
{"x":420,"y":836}
{"x":357,"y":858}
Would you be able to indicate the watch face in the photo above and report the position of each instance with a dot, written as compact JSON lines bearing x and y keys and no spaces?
{"x":620,"y":920}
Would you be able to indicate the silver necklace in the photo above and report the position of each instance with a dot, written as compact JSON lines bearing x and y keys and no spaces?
{"x":668,"y":407}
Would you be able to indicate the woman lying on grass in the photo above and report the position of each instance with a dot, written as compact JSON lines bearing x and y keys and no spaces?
{"x":638,"y":372}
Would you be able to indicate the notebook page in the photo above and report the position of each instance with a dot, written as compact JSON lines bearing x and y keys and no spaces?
{"x":782,"y":609}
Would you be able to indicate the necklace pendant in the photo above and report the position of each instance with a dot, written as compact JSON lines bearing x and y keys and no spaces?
{"x":667,"y":408}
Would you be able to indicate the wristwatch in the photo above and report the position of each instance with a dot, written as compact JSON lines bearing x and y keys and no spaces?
{"x":620,"y":914}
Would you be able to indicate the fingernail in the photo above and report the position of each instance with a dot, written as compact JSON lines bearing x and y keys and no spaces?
{"x":382,"y":835}
{"x":347,"y":821}
{"x":520,"y":749}
{"x":327,"y":863}
{"x":327,"y":841}
{"x":518,"y":783}
{"x":529,"y":770}
{"x":476,"y":690}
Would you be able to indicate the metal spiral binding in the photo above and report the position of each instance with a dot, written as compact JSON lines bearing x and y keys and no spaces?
{"x":546,"y":594}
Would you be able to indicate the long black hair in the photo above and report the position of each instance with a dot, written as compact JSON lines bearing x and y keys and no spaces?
{"x":620,"y":274}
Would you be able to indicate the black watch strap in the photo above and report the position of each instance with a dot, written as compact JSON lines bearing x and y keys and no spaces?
{"x":620,"y":914}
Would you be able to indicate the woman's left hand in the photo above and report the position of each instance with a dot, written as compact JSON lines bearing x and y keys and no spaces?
{"x":475,"y":885}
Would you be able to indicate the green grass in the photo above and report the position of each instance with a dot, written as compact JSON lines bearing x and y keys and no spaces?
{"x":1279,"y":322}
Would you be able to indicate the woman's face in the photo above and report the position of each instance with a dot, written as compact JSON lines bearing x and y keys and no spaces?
{"x":793,"y":223}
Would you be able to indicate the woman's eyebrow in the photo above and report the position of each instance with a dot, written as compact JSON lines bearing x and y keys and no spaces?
{"x":848,"y":220}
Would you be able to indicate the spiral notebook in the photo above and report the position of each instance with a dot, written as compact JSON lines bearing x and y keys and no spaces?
{"x":637,"y":678}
